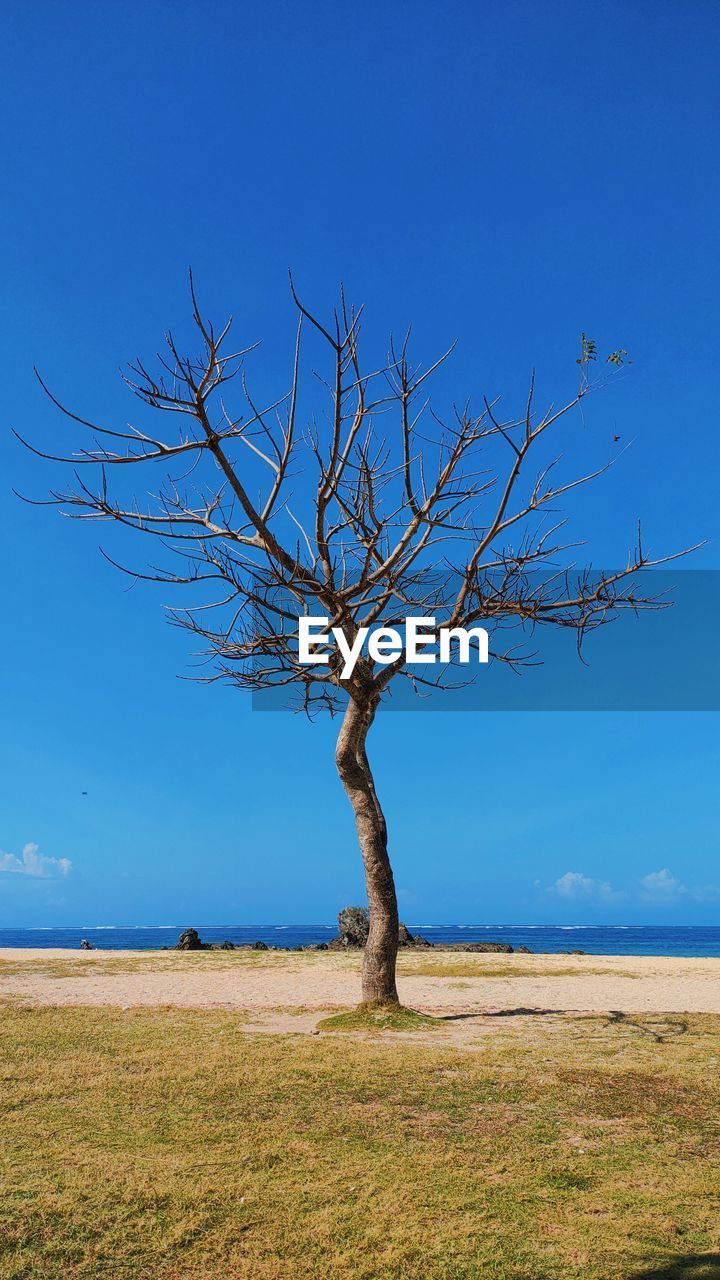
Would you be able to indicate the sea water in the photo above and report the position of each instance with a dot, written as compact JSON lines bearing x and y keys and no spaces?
{"x":620,"y":940}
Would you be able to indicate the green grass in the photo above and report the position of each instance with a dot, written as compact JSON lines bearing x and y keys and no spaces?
{"x":173,"y":1145}
{"x":380,"y":1017}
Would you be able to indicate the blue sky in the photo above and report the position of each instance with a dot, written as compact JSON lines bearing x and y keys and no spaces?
{"x":509,"y":174}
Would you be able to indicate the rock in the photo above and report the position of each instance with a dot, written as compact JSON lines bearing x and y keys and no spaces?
{"x":189,"y":940}
{"x":86,"y":946}
{"x":408,"y":939}
{"x":476,"y":946}
{"x":259,"y":946}
{"x":524,"y":951}
{"x":226,"y":946}
{"x":354,"y":926}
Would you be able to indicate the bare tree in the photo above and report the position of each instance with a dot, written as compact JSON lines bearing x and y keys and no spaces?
{"x":379,"y":511}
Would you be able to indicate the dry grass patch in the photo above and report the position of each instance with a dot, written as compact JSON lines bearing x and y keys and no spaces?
{"x":89,"y":964}
{"x":174,"y":1145}
{"x":496,"y":965}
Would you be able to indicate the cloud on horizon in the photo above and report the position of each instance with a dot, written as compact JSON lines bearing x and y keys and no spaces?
{"x":661,"y":886}
{"x":578,"y":886}
{"x":656,"y":888}
{"x":32,"y":863}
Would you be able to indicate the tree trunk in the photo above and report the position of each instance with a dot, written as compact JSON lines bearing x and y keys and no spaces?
{"x":378,"y":974}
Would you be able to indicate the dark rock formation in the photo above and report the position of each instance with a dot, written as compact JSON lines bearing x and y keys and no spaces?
{"x":86,"y":946}
{"x":189,"y":940}
{"x":353,"y":926}
{"x":415,"y":940}
{"x":475,"y":946}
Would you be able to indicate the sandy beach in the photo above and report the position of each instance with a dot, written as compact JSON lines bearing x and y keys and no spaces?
{"x":293,"y":984}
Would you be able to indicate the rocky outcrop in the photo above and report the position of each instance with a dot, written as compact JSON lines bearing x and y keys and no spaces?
{"x":189,"y":940}
{"x":353,"y":928}
{"x":354,"y":923}
{"x":408,"y":939}
{"x":504,"y":947}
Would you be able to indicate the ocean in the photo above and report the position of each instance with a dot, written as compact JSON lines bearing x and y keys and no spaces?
{"x":621,"y":940}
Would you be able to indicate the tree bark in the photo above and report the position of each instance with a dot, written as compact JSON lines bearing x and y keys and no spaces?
{"x":378,"y":973}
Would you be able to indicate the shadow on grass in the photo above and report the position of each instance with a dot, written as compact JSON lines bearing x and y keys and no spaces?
{"x":524,"y":1013}
{"x":697,"y":1266}
{"x":659,"y":1028}
{"x":500,"y":1013}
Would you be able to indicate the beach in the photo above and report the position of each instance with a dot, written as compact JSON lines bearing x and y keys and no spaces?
{"x":290,"y":990}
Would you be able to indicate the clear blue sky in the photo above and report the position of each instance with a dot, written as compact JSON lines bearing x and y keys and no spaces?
{"x":509,"y":173}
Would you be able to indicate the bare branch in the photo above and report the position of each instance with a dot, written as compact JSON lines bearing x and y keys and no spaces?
{"x":391,"y":509}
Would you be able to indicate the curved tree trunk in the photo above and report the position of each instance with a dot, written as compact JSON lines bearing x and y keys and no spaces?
{"x":378,"y":975}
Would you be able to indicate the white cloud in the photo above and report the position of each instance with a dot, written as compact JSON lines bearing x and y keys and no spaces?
{"x":575,"y":885}
{"x":661,"y":886}
{"x":707,"y":893}
{"x":658,"y":887}
{"x":32,"y":863}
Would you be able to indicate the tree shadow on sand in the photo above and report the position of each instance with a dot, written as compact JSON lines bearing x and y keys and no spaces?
{"x":698,"y":1266}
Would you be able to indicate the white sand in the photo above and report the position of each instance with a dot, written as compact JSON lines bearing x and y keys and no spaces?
{"x":559,"y":984}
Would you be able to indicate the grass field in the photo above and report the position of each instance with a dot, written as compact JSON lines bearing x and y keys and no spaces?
{"x":173,"y":1145}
